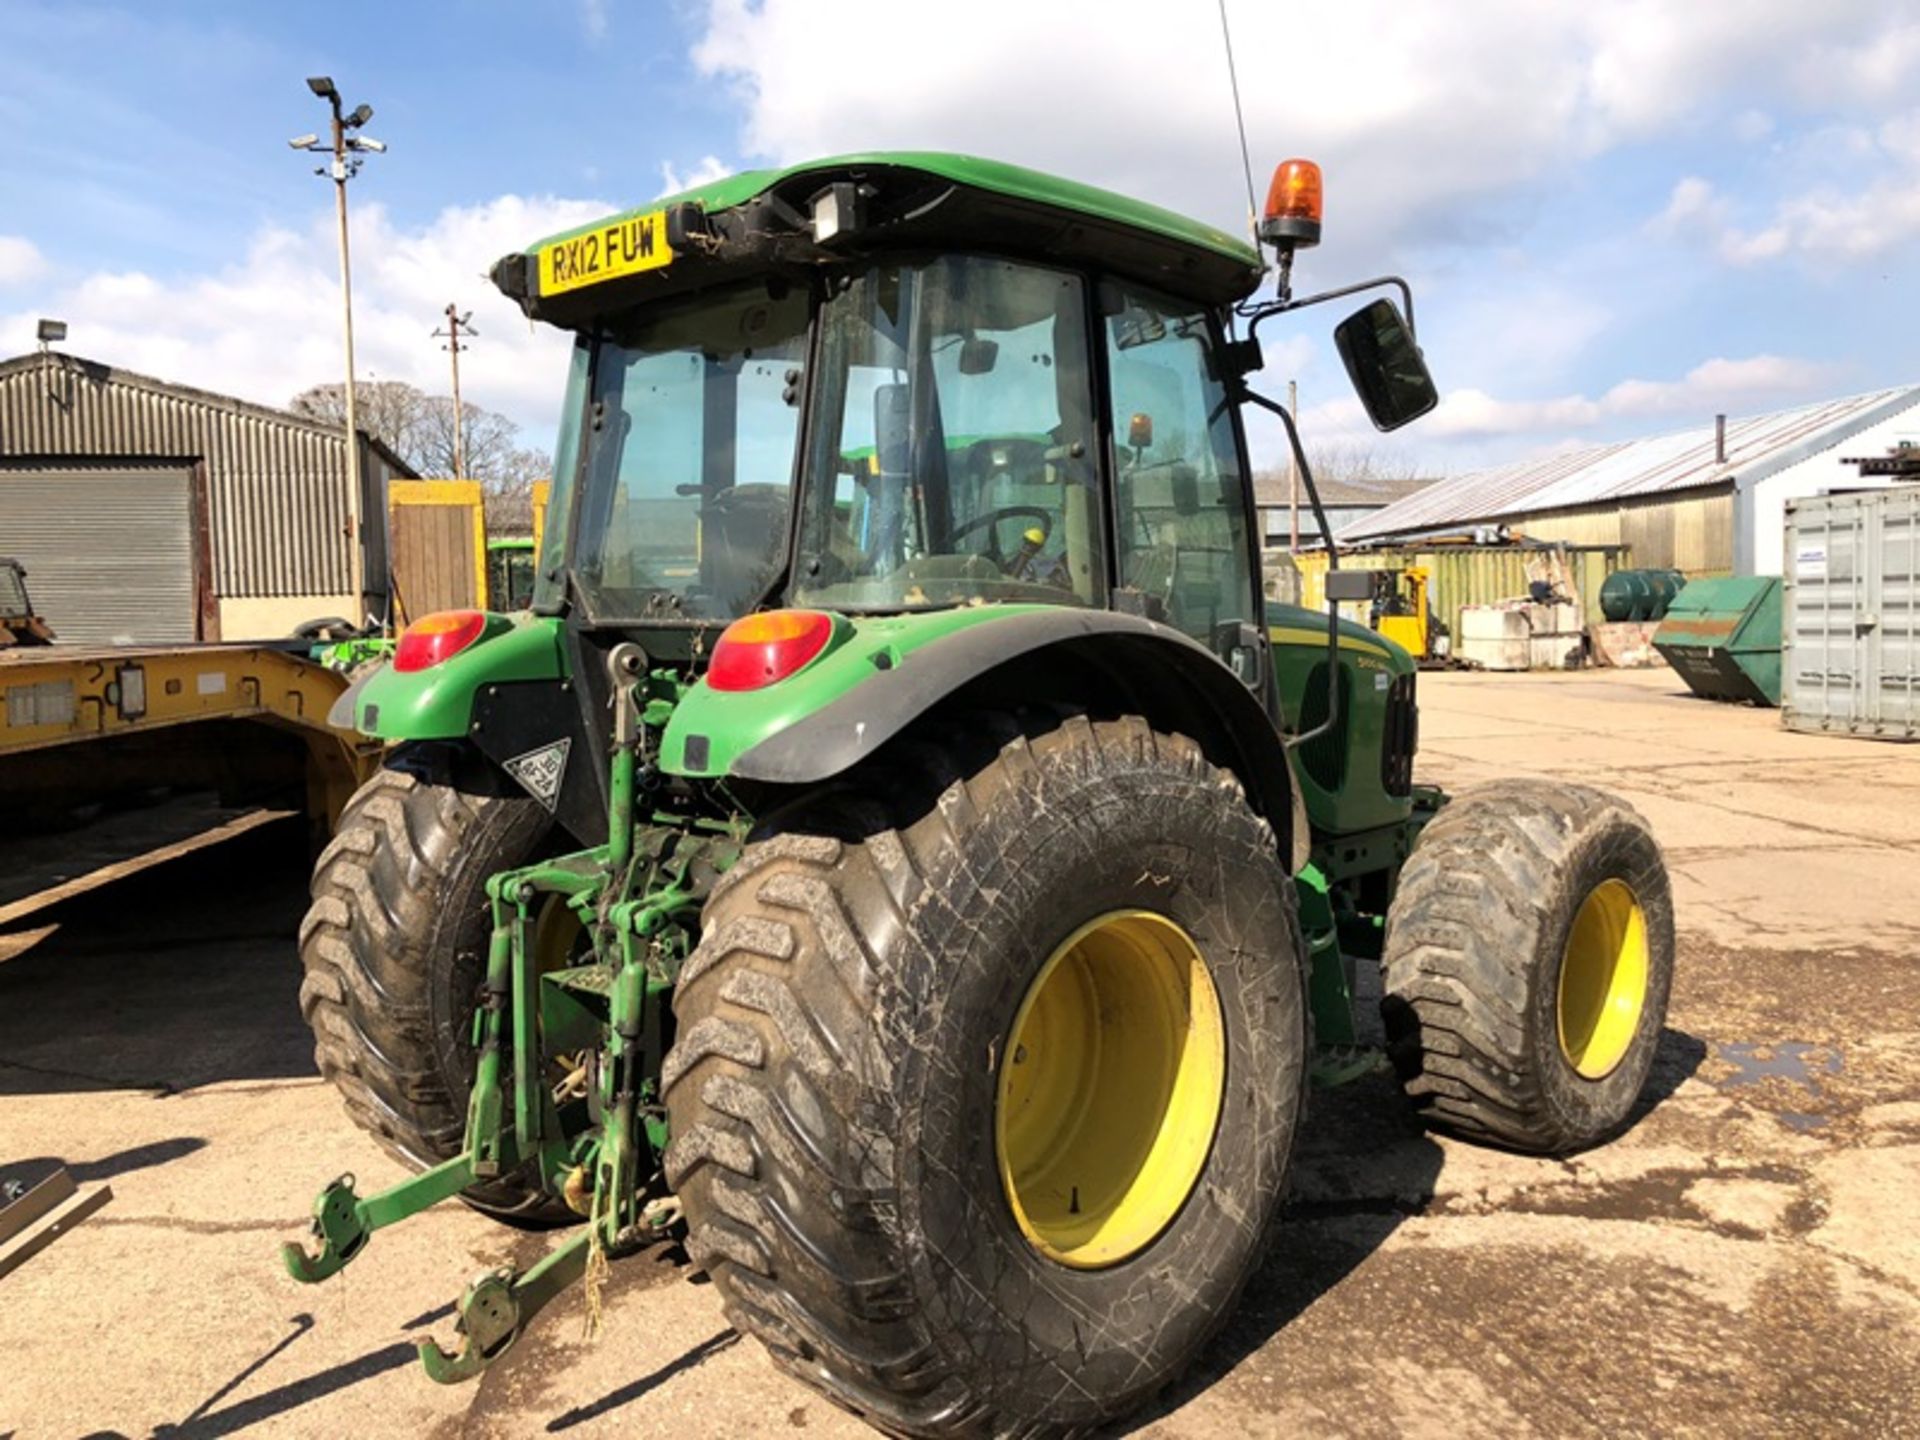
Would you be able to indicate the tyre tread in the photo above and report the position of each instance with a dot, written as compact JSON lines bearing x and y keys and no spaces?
{"x":376,"y":894}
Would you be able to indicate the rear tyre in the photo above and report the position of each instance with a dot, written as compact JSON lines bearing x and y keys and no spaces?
{"x":1529,"y":956}
{"x":394,"y":949}
{"x":981,"y":1123}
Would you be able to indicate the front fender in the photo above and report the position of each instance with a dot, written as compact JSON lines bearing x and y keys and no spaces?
{"x":437,"y":703}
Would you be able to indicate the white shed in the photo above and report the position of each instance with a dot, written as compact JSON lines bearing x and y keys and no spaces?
{"x":1710,"y":500}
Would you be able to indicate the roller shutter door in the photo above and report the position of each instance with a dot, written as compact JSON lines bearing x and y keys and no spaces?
{"x":108,"y":549}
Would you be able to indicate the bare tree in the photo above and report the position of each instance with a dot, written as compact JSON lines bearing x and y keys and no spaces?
{"x":1361,"y":463}
{"x":388,"y":409}
{"x":419,"y":428}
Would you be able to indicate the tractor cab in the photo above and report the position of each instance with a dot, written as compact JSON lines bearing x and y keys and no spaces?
{"x":863,"y":424}
{"x":510,"y":560}
{"x":19,"y":625}
{"x":914,"y":385}
{"x":916,"y":434}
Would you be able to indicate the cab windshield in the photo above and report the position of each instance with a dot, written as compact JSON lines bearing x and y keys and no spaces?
{"x":952,"y":458}
{"x":691,"y":427}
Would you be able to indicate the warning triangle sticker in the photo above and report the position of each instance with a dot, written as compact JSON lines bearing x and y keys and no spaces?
{"x":541,"y":771}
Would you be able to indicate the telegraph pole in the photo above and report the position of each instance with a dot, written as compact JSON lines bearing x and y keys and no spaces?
{"x":347,"y":147}
{"x":457,"y":325}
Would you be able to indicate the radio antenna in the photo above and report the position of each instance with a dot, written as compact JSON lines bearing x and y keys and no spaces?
{"x":1240,"y":120}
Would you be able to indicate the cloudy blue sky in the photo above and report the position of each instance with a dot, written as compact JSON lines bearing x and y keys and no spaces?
{"x":1620,"y":216}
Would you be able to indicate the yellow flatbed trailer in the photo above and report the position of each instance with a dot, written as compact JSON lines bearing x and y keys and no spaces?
{"x":115,"y":758}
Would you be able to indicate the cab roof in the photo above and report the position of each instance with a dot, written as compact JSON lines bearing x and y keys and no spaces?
{"x":760,"y":219}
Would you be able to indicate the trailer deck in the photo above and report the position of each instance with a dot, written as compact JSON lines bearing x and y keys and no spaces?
{"x":115,"y":758}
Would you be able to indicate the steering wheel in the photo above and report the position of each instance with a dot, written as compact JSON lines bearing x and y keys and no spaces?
{"x":991,"y":522}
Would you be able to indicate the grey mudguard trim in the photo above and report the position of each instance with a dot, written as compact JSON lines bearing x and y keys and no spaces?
{"x":1138,"y":652}
{"x":345,"y":711}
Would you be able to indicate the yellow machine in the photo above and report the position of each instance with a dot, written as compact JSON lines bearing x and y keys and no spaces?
{"x":1401,"y":611}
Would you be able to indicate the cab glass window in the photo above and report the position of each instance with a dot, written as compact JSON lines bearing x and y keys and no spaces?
{"x":690,"y":449}
{"x":952,"y":457}
{"x":1180,"y":511}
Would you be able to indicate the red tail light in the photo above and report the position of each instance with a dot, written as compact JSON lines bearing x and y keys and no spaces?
{"x":770,"y":646}
{"x":437,"y":637}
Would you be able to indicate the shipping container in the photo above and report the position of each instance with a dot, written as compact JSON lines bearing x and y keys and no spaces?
{"x":1852,"y":641}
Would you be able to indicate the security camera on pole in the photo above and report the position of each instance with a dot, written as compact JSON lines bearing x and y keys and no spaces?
{"x":347,"y":148}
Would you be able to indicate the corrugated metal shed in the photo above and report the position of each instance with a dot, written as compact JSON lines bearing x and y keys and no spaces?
{"x":1756,"y":446}
{"x":276,"y":490}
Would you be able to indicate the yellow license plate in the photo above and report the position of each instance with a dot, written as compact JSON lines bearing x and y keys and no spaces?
{"x":620,"y":247}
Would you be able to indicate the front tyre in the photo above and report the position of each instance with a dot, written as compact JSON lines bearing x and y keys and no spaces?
{"x":1529,"y":956}
{"x":982,"y":1122}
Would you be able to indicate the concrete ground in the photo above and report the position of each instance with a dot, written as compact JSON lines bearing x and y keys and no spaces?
{"x":1744,"y":1261}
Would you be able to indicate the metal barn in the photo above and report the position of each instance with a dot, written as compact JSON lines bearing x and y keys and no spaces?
{"x":1706,"y":501}
{"x":152,"y":513}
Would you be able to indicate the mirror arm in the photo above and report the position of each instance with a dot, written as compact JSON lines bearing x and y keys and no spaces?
{"x":1252,"y":396}
{"x":1266,"y":311}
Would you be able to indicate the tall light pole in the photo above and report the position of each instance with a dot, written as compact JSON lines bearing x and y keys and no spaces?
{"x":347,"y":147}
{"x":1293,"y":474}
{"x":457,"y":326}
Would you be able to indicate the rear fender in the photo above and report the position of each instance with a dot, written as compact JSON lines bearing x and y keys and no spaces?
{"x":888,"y":673}
{"x":438,"y":703}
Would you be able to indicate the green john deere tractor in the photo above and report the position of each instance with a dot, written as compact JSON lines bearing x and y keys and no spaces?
{"x":899,"y":851}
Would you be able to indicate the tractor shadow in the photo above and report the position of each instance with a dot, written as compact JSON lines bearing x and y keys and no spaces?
{"x":638,"y":1389}
{"x":207,"y":1422}
{"x":1362,"y":1167}
{"x":31,"y":1171}
{"x":178,"y":977}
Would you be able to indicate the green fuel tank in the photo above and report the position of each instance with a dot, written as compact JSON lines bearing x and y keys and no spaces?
{"x":1642,"y":595}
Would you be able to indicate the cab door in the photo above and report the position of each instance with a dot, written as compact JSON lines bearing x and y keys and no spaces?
{"x":1184,"y":541}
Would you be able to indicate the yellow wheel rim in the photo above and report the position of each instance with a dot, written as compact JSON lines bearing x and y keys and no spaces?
{"x":1603,"y":980}
{"x":1110,"y":1089}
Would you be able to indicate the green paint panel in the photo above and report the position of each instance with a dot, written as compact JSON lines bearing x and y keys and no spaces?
{"x":1340,"y":774}
{"x":724,"y":724}
{"x":1327,"y":989}
{"x":437,"y":704}
{"x":1723,"y":638}
{"x":992,"y":175}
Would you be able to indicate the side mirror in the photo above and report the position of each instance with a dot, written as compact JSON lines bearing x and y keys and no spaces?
{"x":892,"y":429}
{"x":1184,"y":483}
{"x":1347,"y":587}
{"x":977,"y":356}
{"x":1386,"y":367}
